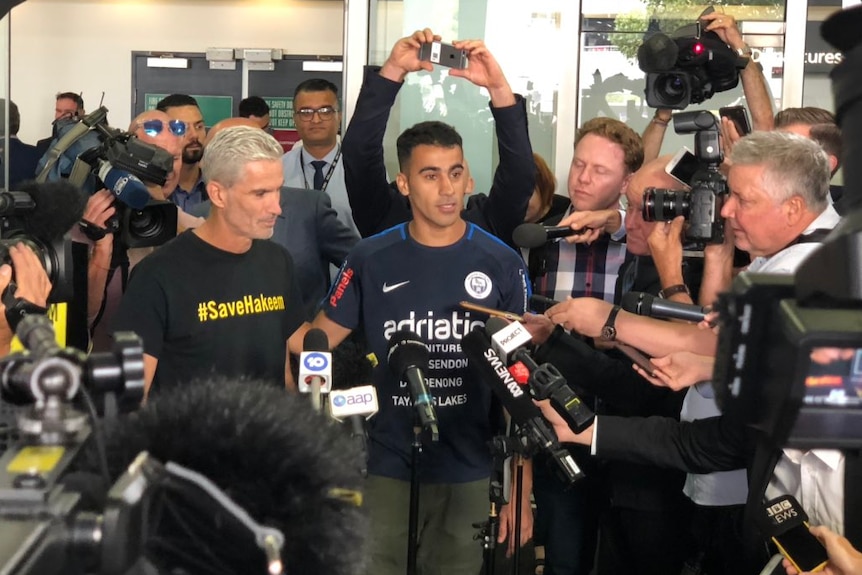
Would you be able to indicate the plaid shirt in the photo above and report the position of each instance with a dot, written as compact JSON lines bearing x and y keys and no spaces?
{"x":580,"y":270}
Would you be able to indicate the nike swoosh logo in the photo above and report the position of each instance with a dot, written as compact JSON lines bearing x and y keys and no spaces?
{"x":388,"y":288}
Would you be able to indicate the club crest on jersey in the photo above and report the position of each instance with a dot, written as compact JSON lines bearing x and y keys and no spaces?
{"x":478,"y":285}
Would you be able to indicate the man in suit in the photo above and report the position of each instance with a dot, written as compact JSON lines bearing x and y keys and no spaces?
{"x":315,"y":162}
{"x":777,"y":211}
{"x":22,"y":157}
{"x":68,"y":106}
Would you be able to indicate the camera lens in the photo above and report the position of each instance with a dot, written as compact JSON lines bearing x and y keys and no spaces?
{"x":664,"y":205}
{"x":145,"y":224}
{"x":672,"y":89}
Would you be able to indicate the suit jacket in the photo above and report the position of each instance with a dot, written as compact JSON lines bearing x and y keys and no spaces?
{"x":378,"y":205}
{"x":718,"y":443}
{"x":315,"y":237}
{"x":22,"y":163}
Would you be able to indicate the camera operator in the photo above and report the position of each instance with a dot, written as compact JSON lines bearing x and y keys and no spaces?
{"x":110,"y":263}
{"x":32,"y":285}
{"x":778,"y":211}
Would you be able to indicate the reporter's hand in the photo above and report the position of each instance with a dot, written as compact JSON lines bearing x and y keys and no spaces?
{"x":585,"y":315}
{"x":679,"y":370}
{"x":596,"y":222}
{"x":564,"y":433}
{"x":484,"y":70}
{"x":30,"y":277}
{"x":729,"y":137}
{"x":665,"y":242}
{"x":844,"y":559}
{"x":404,"y":57}
{"x":100,"y":207}
{"x":539,"y":326}
{"x":726,"y":27}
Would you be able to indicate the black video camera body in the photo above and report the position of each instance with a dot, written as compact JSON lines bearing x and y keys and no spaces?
{"x":687,"y":67}
{"x":701,"y":205}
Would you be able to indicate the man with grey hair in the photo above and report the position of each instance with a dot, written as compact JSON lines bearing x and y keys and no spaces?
{"x":220,"y":298}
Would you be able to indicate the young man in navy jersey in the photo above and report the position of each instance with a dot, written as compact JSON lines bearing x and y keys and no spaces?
{"x":413,"y":276}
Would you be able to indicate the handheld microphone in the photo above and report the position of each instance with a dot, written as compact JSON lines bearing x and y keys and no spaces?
{"x":645,"y":304}
{"x":355,"y":405}
{"x":546,"y":381}
{"x":127,"y":188}
{"x":533,"y":429}
{"x":534,"y":235}
{"x":315,"y":366}
{"x":658,"y":53}
{"x":408,"y":358}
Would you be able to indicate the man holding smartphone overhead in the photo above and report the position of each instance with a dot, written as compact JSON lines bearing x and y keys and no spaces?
{"x":375,"y":201}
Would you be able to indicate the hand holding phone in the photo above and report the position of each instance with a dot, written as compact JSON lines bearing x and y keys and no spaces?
{"x":443,"y":55}
{"x":785,"y":521}
{"x":739,"y":116}
{"x":638,"y":358}
{"x":491,"y":311}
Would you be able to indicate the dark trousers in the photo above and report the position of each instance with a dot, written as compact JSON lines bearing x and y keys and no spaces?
{"x":717,"y":534}
{"x":638,"y":542}
{"x":566,"y":521}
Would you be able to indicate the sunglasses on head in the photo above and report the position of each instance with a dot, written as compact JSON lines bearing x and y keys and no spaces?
{"x":153,"y":128}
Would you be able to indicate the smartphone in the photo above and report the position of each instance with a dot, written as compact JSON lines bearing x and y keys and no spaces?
{"x":443,"y":54}
{"x":541,"y":304}
{"x":739,"y":116}
{"x":491,"y":311}
{"x":802,"y":549}
{"x":638,"y":358}
{"x":683,"y":167}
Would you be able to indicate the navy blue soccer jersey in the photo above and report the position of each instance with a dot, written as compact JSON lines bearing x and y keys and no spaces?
{"x":389,"y":282}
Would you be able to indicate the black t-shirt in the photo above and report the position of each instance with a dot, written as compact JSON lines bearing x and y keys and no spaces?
{"x":203,"y":311}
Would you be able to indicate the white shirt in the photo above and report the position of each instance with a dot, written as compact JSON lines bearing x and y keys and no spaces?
{"x":816,"y":477}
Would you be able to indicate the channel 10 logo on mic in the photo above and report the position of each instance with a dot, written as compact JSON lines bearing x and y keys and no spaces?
{"x":316,"y":362}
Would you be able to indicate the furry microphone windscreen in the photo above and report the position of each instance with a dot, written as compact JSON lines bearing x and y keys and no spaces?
{"x":286,"y":465}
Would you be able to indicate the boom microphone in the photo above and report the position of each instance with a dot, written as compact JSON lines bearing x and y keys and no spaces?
{"x":658,"y":53}
{"x":645,"y":304}
{"x":491,"y":368}
{"x":408,"y":357}
{"x":534,"y":235}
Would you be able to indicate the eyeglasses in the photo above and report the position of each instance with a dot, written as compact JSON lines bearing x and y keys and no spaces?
{"x":325,"y":113}
{"x":153,"y":128}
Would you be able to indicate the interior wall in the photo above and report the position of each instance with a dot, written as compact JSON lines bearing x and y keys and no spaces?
{"x":86,"y":46}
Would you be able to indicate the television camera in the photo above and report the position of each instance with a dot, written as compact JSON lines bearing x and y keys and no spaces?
{"x":92,"y":155}
{"x":701,"y":205}
{"x":687,"y":67}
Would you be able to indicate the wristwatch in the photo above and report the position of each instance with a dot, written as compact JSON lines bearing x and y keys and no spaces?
{"x":665,"y":293}
{"x":744,"y":51}
{"x":609,"y":332}
{"x":19,"y":308}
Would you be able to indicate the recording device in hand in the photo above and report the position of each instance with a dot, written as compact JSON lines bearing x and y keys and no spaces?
{"x":533,"y":430}
{"x":739,"y":116}
{"x":642,"y":303}
{"x":683,"y":166}
{"x":534,"y":235}
{"x":545,"y":381}
{"x":785,"y":522}
{"x":408,"y":359}
{"x":443,"y":55}
{"x":687,"y":67}
{"x":315,"y":366}
{"x":701,"y":204}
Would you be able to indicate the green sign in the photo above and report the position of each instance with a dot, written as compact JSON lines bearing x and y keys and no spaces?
{"x":280,"y":113}
{"x":213,"y":108}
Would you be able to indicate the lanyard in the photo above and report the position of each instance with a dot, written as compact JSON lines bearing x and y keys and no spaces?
{"x":328,"y":173}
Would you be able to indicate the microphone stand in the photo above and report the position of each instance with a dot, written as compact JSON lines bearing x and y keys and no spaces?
{"x":413,"y":518}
